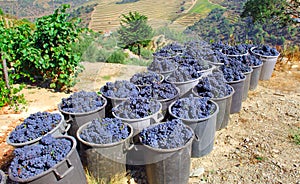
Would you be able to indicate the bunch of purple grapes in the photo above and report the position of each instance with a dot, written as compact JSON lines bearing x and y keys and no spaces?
{"x":190,"y":61}
{"x":241,"y":63}
{"x":105,"y":131}
{"x":254,"y":61}
{"x":81,"y":102}
{"x":159,"y":91}
{"x":164,"y":65}
{"x":197,"y":44}
{"x":219,"y":45}
{"x":217,"y":57}
{"x":213,"y":86}
{"x":184,"y":73}
{"x":137,"y":108}
{"x":235,"y":50}
{"x":35,"y":126}
{"x":169,"y":50}
{"x":265,"y":50}
{"x":193,"y":107}
{"x":146,"y":78}
{"x":32,"y":160}
{"x":119,"y":89}
{"x":168,"y":135}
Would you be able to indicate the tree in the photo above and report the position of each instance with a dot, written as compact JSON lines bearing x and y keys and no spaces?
{"x":283,"y":12}
{"x":134,"y":31}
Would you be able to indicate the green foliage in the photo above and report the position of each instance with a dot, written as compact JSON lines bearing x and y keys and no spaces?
{"x":147,"y":54}
{"x":295,"y":135}
{"x":172,"y":34}
{"x":10,"y":41}
{"x":49,"y":55}
{"x":134,"y":31}
{"x":278,"y":11}
{"x":118,"y":56}
{"x":138,"y":62}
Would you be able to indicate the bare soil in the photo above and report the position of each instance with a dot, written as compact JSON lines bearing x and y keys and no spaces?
{"x":255,"y":147}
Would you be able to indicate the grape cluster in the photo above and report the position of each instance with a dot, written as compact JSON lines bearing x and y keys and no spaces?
{"x":198,"y":52}
{"x":219,"y":45}
{"x":193,"y":108}
{"x":35,"y":126}
{"x":159,"y":91}
{"x":196,"y":44}
{"x":119,"y":89}
{"x":145,"y":78}
{"x":105,"y":131}
{"x":137,"y":108}
{"x":265,"y":50}
{"x":168,"y":135}
{"x":81,"y":102}
{"x":235,"y":50}
{"x":163,"y":65}
{"x":169,"y":50}
{"x":198,"y":64}
{"x":32,"y":160}
{"x":217,"y":57}
{"x":184,"y":73}
{"x":254,"y":61}
{"x":213,"y":86}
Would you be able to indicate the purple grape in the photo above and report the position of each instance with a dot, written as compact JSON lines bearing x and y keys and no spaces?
{"x":81,"y":102}
{"x":265,"y":50}
{"x":163,"y":65}
{"x":168,"y":135}
{"x":32,"y":160}
{"x":119,"y":89}
{"x":35,"y":126}
{"x":184,"y":73}
{"x":193,"y":108}
{"x":159,"y":91}
{"x":146,"y":78}
{"x":105,"y":131}
{"x":137,"y":108}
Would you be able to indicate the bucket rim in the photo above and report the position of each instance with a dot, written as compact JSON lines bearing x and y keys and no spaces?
{"x":62,"y":121}
{"x":235,"y":55}
{"x":139,"y":119}
{"x":172,"y":149}
{"x":168,"y":99}
{"x":183,"y":82}
{"x":84,"y":113}
{"x":217,"y":99}
{"x":26,"y":180}
{"x":162,"y":78}
{"x":81,"y":128}
{"x":216,"y":110}
{"x":263,"y":56}
{"x":3,"y":180}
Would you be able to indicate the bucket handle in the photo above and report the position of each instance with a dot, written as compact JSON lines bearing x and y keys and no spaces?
{"x":61,"y":176}
{"x":69,"y":119}
{"x":159,"y":118}
{"x":196,"y":138}
{"x":67,"y":128}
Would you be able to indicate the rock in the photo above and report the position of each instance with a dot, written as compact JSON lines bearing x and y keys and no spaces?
{"x":197,"y":172}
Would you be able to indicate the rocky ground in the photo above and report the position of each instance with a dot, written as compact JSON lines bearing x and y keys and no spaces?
{"x":257,"y":146}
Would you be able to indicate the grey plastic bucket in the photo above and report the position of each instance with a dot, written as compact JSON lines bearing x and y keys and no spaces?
{"x":78,"y":119}
{"x":67,"y":171}
{"x":168,"y":166}
{"x":269,"y":63}
{"x":61,"y":129}
{"x":3,"y":177}
{"x":224,"y":109}
{"x":166,"y":102}
{"x":185,"y":86}
{"x":247,"y":84}
{"x":104,"y":161}
{"x":255,"y":76}
{"x":204,"y":129}
{"x":237,"y":97}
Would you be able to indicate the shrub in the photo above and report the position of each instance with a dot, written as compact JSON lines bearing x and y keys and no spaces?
{"x":117,"y":56}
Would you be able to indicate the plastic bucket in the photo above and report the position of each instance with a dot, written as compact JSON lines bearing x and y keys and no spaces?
{"x":205,"y":73}
{"x":237,"y":97}
{"x":165,"y":74}
{"x":185,"y":86}
{"x":3,"y":177}
{"x":255,"y":76}
{"x":247,"y":84}
{"x":162,"y":78}
{"x":61,"y":129}
{"x":204,"y":129}
{"x":78,"y":119}
{"x":104,"y":161}
{"x":168,"y":166}
{"x":224,"y":109}
{"x":67,"y":171}
{"x":269,"y":63}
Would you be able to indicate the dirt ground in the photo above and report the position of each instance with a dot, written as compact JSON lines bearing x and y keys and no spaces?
{"x":255,"y":147}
